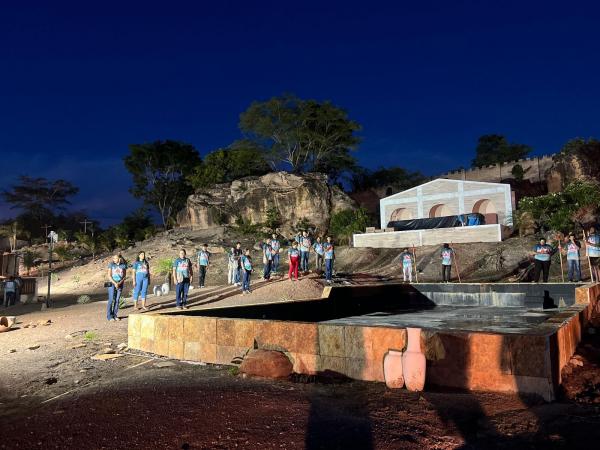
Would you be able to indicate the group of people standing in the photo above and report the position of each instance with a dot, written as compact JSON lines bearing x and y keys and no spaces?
{"x":408,"y":265}
{"x":239,"y":269}
{"x":542,"y":254}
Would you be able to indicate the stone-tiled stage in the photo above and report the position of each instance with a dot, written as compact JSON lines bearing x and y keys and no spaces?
{"x":499,"y":337}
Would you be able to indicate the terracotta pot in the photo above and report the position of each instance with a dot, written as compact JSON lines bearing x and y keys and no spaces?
{"x":413,"y":361}
{"x":392,"y":369}
{"x":6,"y":323}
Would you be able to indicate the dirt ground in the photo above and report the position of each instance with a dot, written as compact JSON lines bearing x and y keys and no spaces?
{"x":55,"y":396}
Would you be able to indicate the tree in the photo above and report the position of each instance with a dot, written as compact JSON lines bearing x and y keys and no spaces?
{"x":160,"y":175}
{"x":494,"y":149}
{"x":39,"y":199}
{"x":345,"y":223}
{"x":88,"y":242}
{"x":305,"y":134}
{"x":397,"y":178}
{"x":13,"y":230}
{"x":29,"y":258}
{"x":241,"y":159}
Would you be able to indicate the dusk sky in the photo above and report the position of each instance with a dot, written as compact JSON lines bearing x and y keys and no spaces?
{"x":79,"y":81}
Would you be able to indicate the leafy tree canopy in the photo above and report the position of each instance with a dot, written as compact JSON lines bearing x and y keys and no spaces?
{"x":241,"y":159}
{"x":305,"y":135}
{"x":494,"y":148}
{"x":160,"y":172}
{"x":398,"y":178}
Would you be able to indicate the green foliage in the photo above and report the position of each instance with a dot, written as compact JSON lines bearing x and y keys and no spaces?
{"x":560,"y":210}
{"x":303,"y":224}
{"x":29,"y":257}
{"x":160,"y":175}
{"x":397,"y":178}
{"x":518,"y":172}
{"x":87,"y":241}
{"x":14,"y":230}
{"x":90,"y":335}
{"x":273,"y":220}
{"x":63,"y":252}
{"x":164,"y":266}
{"x":241,"y":159}
{"x":494,"y":148}
{"x":305,"y":134}
{"x":246,"y":227}
{"x":345,"y":223}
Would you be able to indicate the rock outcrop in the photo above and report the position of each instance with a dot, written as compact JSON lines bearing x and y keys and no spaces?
{"x":266,"y":364}
{"x":295,"y":197}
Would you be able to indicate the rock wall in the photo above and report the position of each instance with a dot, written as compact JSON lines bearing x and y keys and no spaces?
{"x":296,"y":197}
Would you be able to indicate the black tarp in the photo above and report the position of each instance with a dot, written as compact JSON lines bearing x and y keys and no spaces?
{"x":437,"y":222}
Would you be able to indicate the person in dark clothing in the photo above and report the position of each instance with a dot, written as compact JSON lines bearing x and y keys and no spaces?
{"x":447,"y":254}
{"x":542,"y":256}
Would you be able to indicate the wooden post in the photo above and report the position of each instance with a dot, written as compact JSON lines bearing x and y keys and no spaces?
{"x":585,"y":238}
{"x":562,"y":269}
{"x":414,"y":251}
{"x":456,"y":262}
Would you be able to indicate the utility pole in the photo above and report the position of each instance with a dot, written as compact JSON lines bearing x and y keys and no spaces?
{"x":52,"y":238}
{"x":85,"y":223}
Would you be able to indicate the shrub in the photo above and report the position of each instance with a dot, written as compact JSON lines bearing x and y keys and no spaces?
{"x":345,"y":223}
{"x":164,"y":266}
{"x":29,"y":257}
{"x":273,"y":218}
{"x":90,"y":335}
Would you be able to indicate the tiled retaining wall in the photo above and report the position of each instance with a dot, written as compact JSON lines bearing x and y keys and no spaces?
{"x":477,"y":361}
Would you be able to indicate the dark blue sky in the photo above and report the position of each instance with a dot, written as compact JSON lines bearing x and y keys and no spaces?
{"x":79,"y":81}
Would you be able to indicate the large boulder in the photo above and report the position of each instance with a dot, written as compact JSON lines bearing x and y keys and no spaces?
{"x":267,"y":364}
{"x":296,"y":197}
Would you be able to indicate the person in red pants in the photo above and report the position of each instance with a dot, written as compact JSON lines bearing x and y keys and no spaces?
{"x":293,"y":260}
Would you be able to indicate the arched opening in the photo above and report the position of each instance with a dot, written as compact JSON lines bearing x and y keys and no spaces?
{"x":400,"y":214}
{"x":439,"y":210}
{"x":484,"y":206}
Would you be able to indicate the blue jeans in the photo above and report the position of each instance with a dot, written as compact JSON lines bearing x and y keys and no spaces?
{"x":304,"y":261}
{"x":114,"y":296}
{"x":574,"y":266}
{"x":275,"y":263}
{"x":246,"y":283}
{"x":328,"y":269}
{"x":267,"y":270}
{"x":237,"y":275}
{"x":141,"y":287}
{"x":181,"y":292}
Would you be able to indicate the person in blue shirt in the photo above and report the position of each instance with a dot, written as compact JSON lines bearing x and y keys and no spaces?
{"x":446,"y":254}
{"x":267,"y":259}
{"x":406,"y":261}
{"x":276,"y":246}
{"x":320,"y":253}
{"x":117,"y":273}
{"x":305,"y":245}
{"x":182,"y":274}
{"x":203,"y":261}
{"x":542,"y":256}
{"x":141,"y":280}
{"x":592,"y":244}
{"x":572,"y":249}
{"x":329,"y":253}
{"x":246,"y":262}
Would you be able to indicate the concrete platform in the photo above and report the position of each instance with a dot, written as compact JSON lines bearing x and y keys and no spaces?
{"x":498,"y":348}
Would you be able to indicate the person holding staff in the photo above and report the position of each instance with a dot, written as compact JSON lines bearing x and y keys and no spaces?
{"x":447,"y":254}
{"x":406,"y":261}
{"x":592,"y":244}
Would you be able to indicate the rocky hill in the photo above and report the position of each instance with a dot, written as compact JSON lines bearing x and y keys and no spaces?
{"x":294,"y":197}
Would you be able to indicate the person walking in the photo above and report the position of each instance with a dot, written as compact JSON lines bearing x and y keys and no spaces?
{"x":319,"y":253}
{"x":542,"y":255}
{"x":182,"y":274}
{"x":329,"y":252}
{"x":592,"y":244}
{"x":406,"y":261}
{"x":573,"y":247}
{"x":276,"y":246}
{"x":237,"y":255}
{"x":447,"y":254}
{"x":305,"y":245}
{"x":117,"y":273}
{"x":203,"y":258}
{"x":267,"y":259}
{"x":141,"y":280}
{"x":247,"y":271}
{"x":293,"y":260}
{"x":232,"y":266}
